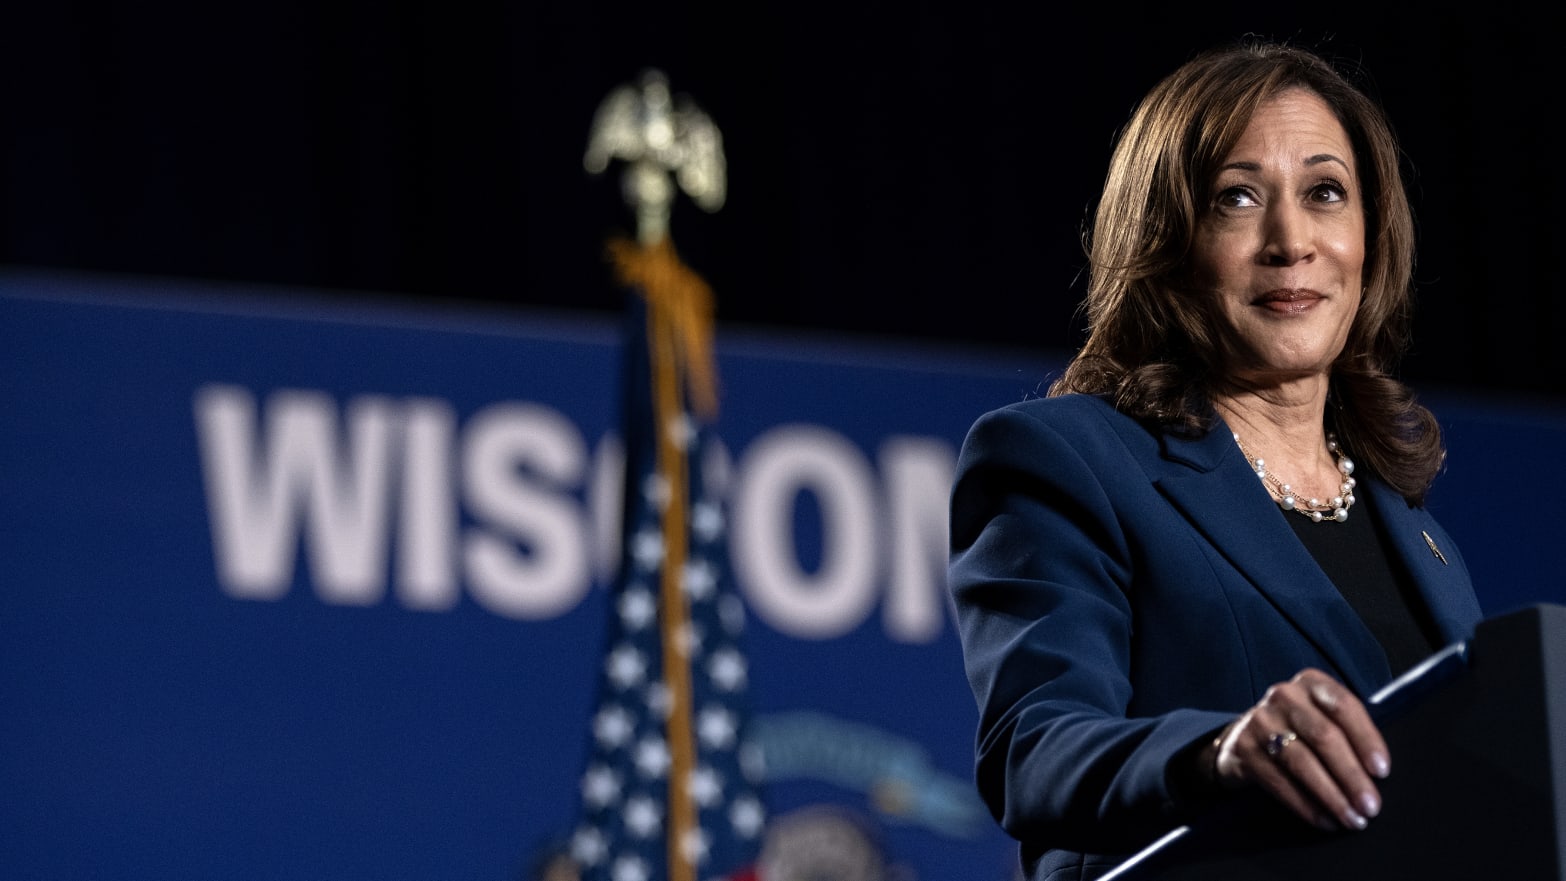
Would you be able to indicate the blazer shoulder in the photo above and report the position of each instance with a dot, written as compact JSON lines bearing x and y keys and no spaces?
{"x":1066,"y":414}
{"x":1081,"y":421}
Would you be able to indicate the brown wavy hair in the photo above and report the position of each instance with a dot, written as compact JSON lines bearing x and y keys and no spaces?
{"x":1153,"y":350}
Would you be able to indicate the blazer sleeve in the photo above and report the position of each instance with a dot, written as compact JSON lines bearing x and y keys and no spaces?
{"x":1041,"y":573}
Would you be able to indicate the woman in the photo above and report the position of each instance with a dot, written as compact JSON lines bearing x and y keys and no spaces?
{"x":1182,"y":571}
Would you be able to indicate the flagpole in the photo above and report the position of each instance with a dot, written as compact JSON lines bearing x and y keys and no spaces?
{"x":676,"y":664}
{"x":657,"y":137}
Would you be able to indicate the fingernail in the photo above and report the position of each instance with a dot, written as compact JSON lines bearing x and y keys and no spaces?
{"x":1356,"y":821}
{"x":1380,"y":765}
{"x":1369,"y":804}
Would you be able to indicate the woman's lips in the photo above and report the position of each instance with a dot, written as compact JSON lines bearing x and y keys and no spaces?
{"x":1289,"y":301}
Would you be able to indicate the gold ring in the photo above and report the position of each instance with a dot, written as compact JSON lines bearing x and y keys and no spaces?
{"x":1279,"y":742}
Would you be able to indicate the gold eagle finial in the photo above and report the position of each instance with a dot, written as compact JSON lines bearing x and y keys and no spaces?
{"x":657,"y":133}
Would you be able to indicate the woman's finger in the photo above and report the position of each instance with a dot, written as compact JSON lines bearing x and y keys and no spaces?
{"x":1340,"y":704}
{"x":1311,"y":743}
{"x":1349,"y":750}
{"x":1313,"y":764}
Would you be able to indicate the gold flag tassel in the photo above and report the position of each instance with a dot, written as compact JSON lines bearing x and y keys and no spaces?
{"x":679,"y":316}
{"x":680,"y":340}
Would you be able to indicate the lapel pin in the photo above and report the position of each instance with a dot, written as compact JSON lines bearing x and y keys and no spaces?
{"x":1433,"y":549}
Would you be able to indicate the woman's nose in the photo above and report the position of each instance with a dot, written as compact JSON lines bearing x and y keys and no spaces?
{"x":1287,"y":236}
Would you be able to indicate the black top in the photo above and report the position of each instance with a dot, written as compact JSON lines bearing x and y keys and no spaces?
{"x":1354,"y":556}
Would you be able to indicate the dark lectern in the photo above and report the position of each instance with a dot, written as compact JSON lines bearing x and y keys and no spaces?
{"x":1477,"y":790}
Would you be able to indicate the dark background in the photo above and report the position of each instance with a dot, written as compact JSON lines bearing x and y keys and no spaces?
{"x":914,"y":171}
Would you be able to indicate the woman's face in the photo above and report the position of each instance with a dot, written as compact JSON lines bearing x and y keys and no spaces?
{"x":1281,"y":247}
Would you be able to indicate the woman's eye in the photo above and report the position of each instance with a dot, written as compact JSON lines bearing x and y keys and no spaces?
{"x":1328,"y":191}
{"x":1236,"y":197}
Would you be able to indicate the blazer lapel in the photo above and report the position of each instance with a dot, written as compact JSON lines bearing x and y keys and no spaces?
{"x":1210,"y":482}
{"x":1430,"y":558}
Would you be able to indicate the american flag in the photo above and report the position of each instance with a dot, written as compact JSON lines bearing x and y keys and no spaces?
{"x":669,"y":791}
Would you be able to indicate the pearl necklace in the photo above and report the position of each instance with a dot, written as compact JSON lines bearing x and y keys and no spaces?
{"x":1337,"y":509}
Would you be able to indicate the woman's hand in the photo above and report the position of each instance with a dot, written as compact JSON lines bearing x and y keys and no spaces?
{"x":1311,"y":743}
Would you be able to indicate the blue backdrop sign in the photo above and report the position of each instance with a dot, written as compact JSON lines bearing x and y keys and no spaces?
{"x":320,"y":593}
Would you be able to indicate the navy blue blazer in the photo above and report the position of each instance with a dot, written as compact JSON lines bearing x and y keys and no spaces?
{"x":1121,"y":593}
